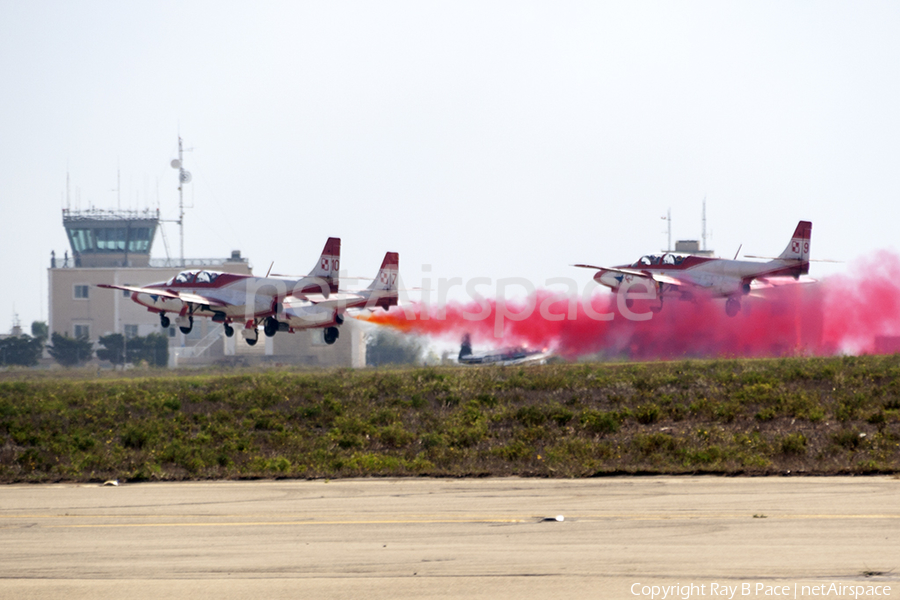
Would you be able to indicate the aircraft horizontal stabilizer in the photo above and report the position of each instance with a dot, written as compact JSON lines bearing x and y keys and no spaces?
{"x":822,"y":260}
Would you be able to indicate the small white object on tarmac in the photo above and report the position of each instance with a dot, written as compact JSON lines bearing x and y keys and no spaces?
{"x":111,"y":482}
{"x":556,"y":518}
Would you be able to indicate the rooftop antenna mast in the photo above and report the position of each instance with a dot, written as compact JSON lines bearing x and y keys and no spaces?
{"x":668,"y":219}
{"x":704,"y":223}
{"x":183,"y":177}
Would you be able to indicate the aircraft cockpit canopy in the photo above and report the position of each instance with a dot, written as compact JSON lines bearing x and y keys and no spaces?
{"x":206,"y":276}
{"x":193,"y":277}
{"x":655,"y":260}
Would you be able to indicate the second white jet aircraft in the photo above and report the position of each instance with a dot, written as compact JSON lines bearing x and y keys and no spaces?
{"x":683,"y":276}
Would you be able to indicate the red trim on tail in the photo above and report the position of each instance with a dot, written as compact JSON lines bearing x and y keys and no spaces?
{"x":332,"y":247}
{"x":803,"y":231}
{"x":391,"y":259}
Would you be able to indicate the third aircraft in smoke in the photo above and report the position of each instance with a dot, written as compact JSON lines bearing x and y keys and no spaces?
{"x":684,"y":276}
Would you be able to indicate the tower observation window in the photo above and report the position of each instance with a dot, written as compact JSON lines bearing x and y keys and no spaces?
{"x":135,"y":240}
{"x":82,"y":240}
{"x":139,"y":240}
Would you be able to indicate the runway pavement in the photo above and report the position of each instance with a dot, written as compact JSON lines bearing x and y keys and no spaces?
{"x":621,"y":537}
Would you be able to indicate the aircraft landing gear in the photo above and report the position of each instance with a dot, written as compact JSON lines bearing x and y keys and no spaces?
{"x":164,"y":321}
{"x":732,"y":306}
{"x":190,"y":325}
{"x":331,"y":334}
{"x":271,"y":327}
{"x":229,"y":330}
{"x":251,"y":333}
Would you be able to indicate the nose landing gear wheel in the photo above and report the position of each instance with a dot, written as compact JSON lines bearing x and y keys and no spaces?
{"x":164,"y":321}
{"x":732,"y":307}
{"x":251,"y":330}
{"x":187,"y":330}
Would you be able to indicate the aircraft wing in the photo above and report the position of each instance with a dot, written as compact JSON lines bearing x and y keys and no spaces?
{"x":761,"y":283}
{"x":342,"y":299}
{"x":658,"y":277}
{"x":532,"y":358}
{"x":183,"y":296}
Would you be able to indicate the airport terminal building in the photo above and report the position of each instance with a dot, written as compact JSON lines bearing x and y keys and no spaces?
{"x":113,"y":247}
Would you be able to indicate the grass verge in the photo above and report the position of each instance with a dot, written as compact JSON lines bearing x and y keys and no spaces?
{"x":816,"y":416}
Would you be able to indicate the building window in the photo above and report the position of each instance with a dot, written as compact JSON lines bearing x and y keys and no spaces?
{"x":81,"y":292}
{"x":131,"y":331}
{"x":82,"y":331}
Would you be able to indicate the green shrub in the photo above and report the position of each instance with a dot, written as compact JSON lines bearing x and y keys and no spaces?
{"x":599,"y":422}
{"x":646,"y":414}
{"x":850,"y":439}
{"x":793,"y":444}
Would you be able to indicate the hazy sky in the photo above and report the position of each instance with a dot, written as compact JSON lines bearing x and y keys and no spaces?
{"x":485,"y":139}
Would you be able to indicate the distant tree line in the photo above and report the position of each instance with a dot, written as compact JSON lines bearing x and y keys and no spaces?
{"x":386,"y":348}
{"x":24,"y":350}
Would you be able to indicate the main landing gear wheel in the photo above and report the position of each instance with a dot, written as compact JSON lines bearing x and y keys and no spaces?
{"x":732,"y":307}
{"x":331,"y":335}
{"x":229,"y":330}
{"x":187,"y":330}
{"x":164,"y":321}
{"x":271,"y":327}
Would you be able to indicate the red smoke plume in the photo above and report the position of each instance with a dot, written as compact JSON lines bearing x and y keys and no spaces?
{"x":853,"y":313}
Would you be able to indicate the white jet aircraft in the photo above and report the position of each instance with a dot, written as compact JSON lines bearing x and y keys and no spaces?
{"x":683,"y":276}
{"x":278,"y":303}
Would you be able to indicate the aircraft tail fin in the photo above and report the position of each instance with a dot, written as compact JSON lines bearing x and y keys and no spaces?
{"x":384,"y":290}
{"x":329,"y":264}
{"x":798,"y":248}
{"x":465,"y":348}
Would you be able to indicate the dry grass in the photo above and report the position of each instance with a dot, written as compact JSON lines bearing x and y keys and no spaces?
{"x":817,"y":416}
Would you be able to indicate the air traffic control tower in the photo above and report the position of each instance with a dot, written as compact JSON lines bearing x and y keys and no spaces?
{"x":102,"y":238}
{"x":113,"y":247}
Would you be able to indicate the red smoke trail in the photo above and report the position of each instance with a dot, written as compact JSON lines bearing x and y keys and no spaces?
{"x":847,"y":313}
